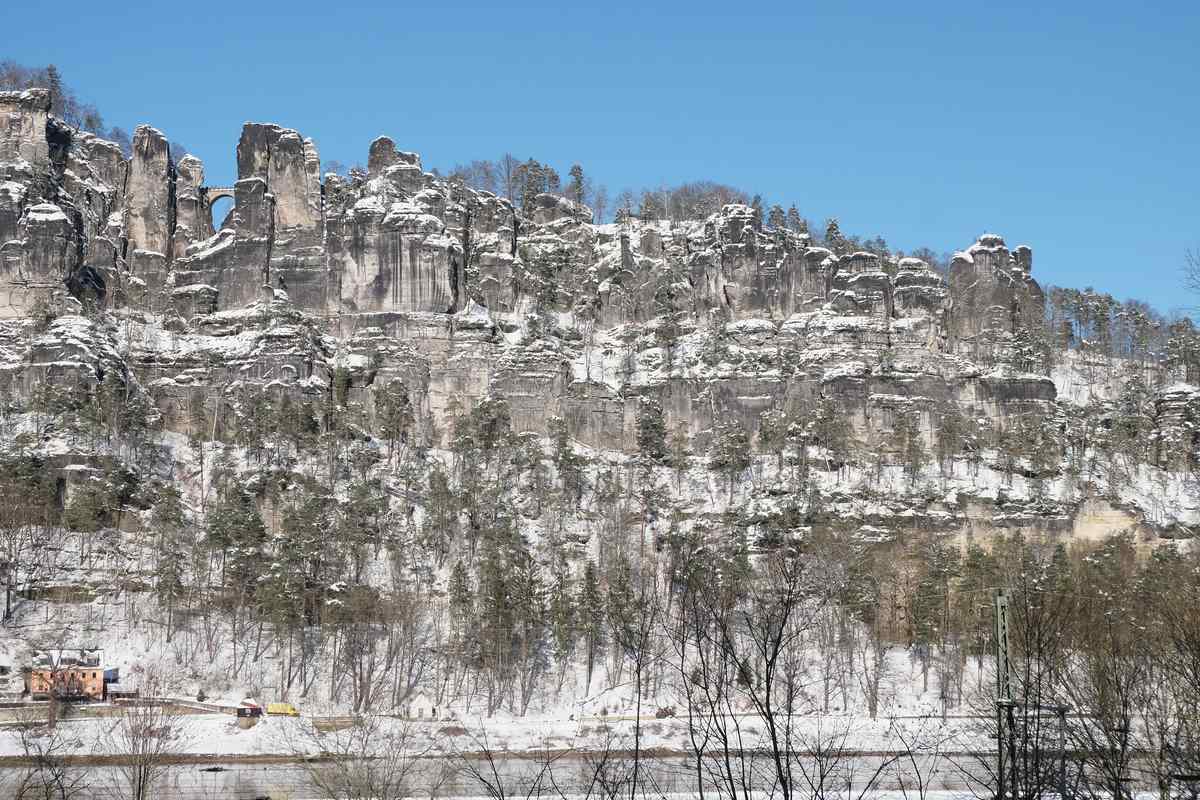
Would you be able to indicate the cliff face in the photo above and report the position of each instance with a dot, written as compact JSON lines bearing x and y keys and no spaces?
{"x":396,"y":275}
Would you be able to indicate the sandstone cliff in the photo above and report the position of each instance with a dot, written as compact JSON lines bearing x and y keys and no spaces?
{"x":325,"y":284}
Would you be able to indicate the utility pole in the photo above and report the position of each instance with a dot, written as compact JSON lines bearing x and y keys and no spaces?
{"x":1004,"y":698}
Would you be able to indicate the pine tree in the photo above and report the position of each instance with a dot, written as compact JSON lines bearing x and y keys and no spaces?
{"x":549,"y":270}
{"x":831,"y":430}
{"x":298,"y":424}
{"x":528,"y":598}
{"x":54,"y":82}
{"x":394,"y":414}
{"x":667,"y":306}
{"x":283,"y":591}
{"x":908,"y":440}
{"x":90,"y":508}
{"x":651,"y":433}
{"x":494,"y":624}
{"x":795,"y":222}
{"x":773,"y":428}
{"x":730,"y":451}
{"x":953,"y":435}
{"x":591,"y":619}
{"x":359,"y":524}
{"x":439,"y":528}
{"x":169,"y":521}
{"x":567,"y":462}
{"x":929,"y":602}
{"x":680,"y":453}
{"x":534,"y":178}
{"x":736,"y":572}
{"x":776,"y":218}
{"x":651,"y":209}
{"x":757,"y":205}
{"x":1183,"y":350}
{"x":462,"y":600}
{"x":562,"y":618}
{"x":235,"y":528}
{"x":621,"y":602}
{"x":575,"y":189}
{"x":834,"y":239}
{"x":978,"y":577}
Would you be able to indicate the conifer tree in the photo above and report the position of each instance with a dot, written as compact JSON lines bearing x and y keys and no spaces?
{"x":58,"y":97}
{"x":680,"y":453}
{"x":795,"y":222}
{"x":834,"y":239}
{"x":235,"y":529}
{"x":776,"y":219}
{"x":591,"y":619}
{"x":575,"y":188}
{"x":169,"y":523}
{"x":563,"y":620}
{"x":831,"y":430}
{"x":757,"y":205}
{"x":929,"y":602}
{"x":909,"y":441}
{"x":462,"y":601}
{"x":394,"y":413}
{"x":528,"y":597}
{"x":651,"y":209}
{"x":773,"y":428}
{"x":667,"y":306}
{"x":730,"y":451}
{"x":953,"y":435}
{"x":567,"y":462}
{"x":651,"y":433}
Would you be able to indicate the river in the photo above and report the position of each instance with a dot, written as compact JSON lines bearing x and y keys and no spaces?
{"x":572,"y":775}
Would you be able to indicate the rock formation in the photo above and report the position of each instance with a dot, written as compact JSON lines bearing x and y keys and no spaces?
{"x":394,"y":275}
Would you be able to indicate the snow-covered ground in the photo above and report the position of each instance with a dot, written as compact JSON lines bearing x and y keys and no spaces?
{"x":219,"y":734}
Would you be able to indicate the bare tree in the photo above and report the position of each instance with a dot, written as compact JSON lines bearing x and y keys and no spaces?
{"x":1170,"y":697}
{"x":606,"y":773}
{"x":1191,"y":270}
{"x":377,"y":757}
{"x":49,"y":775}
{"x":922,"y":755}
{"x":506,"y":175}
{"x":764,"y":642}
{"x":1103,"y":680}
{"x":828,"y":769}
{"x":600,"y":204}
{"x":634,"y":632}
{"x":145,"y":737}
{"x":483,"y":766}
{"x":1038,"y":625}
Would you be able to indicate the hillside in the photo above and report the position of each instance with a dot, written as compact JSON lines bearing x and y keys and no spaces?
{"x":385,"y":436}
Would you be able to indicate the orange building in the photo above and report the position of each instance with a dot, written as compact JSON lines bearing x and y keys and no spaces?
{"x":67,"y":682}
{"x":67,"y":676}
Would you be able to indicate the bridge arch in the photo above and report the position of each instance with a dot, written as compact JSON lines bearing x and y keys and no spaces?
{"x":210,"y":195}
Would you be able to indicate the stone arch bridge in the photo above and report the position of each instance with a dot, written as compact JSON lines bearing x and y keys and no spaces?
{"x":211,"y":194}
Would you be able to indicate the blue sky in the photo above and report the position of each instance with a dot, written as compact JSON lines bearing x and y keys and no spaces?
{"x":1074,"y":128}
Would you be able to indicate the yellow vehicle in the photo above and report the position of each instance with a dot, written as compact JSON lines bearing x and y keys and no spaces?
{"x":282,"y":710}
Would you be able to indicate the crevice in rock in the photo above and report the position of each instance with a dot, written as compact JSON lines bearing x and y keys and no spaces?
{"x":172,"y":206}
